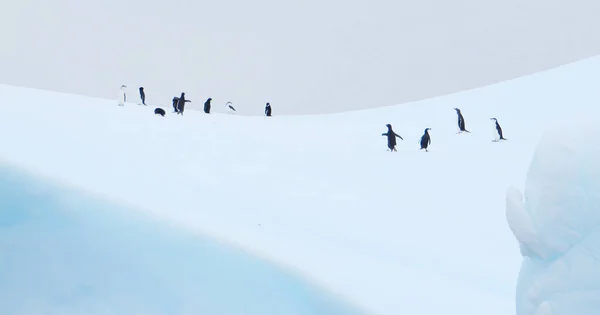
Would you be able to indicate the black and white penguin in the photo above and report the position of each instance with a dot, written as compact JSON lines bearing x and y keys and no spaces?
{"x":425,"y":140}
{"x":498,"y":134}
{"x":230,"y":108}
{"x":175,"y":102}
{"x":461,"y":121}
{"x":391,"y":137}
{"x":159,"y":111}
{"x":181,"y":104}
{"x":143,"y":95}
{"x":268,"y":110}
{"x":207,"y":106}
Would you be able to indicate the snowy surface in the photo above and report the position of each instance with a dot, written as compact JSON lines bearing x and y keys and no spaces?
{"x":558,"y":225}
{"x":67,"y":253}
{"x":319,"y":196}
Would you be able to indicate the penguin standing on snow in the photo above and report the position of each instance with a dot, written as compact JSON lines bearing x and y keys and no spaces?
{"x":461,"y":121}
{"x":122,"y":96}
{"x":207,"y":105}
{"x":268,"y":110}
{"x":175,"y":102}
{"x":391,"y":137}
{"x":181,"y":103}
{"x":143,"y":95}
{"x":230,"y":108}
{"x":499,"y":135}
{"x":425,"y":140}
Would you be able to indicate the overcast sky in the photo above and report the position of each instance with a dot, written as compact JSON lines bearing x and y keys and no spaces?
{"x":308,"y":56}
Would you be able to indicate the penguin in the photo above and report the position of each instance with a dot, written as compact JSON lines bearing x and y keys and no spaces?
{"x":499,"y":135}
{"x":122,"y":96}
{"x":425,"y":140}
{"x":268,"y":110}
{"x":159,"y":111}
{"x":143,"y":95}
{"x":461,"y":121}
{"x":230,"y":108}
{"x":175,"y":102}
{"x":207,"y":106}
{"x":391,"y":137}
{"x":181,"y":104}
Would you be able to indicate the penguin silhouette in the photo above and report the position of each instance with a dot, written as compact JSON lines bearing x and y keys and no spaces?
{"x":499,"y":135}
{"x":391,"y":137}
{"x":425,"y":140}
{"x":159,"y":111}
{"x":461,"y":121}
{"x":207,"y":106}
{"x":143,"y":95}
{"x":175,"y":102}
{"x":181,"y":103}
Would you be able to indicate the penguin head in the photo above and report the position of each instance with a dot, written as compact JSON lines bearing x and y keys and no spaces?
{"x":141,"y":88}
{"x":389,"y":126}
{"x":123,"y":86}
{"x":457,"y":110}
{"x":494,"y":119}
{"x":427,"y":129}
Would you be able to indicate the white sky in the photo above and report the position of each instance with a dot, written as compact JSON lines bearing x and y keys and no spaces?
{"x":309,"y":56}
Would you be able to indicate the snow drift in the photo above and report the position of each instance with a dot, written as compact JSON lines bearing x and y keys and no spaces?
{"x":63,"y":252}
{"x":558,"y":224}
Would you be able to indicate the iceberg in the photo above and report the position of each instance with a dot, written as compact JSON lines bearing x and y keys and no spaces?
{"x":556,"y":221}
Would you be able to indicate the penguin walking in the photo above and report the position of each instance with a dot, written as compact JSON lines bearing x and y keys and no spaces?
{"x":425,"y":140}
{"x":230,"y":108}
{"x":391,"y":137}
{"x":122,"y":95}
{"x":499,"y":135}
{"x":143,"y":95}
{"x":268,"y":110}
{"x":461,"y":121}
{"x":207,"y":106}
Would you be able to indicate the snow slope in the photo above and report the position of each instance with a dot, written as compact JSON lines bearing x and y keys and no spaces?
{"x":408,"y":232}
{"x":558,"y":225}
{"x":67,"y":253}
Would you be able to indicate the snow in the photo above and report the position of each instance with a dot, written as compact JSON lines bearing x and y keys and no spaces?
{"x":317,"y":196}
{"x":557,"y":224}
{"x":67,"y":253}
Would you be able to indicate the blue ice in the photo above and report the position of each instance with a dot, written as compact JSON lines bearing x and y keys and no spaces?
{"x":62,"y":252}
{"x":557,"y":225}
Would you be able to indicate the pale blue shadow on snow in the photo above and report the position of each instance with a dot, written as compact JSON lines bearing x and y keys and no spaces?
{"x":65,"y":253}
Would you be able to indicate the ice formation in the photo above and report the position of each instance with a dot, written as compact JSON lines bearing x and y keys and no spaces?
{"x":557,"y":225}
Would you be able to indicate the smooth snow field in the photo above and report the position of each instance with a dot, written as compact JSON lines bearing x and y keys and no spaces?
{"x":115,"y":210}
